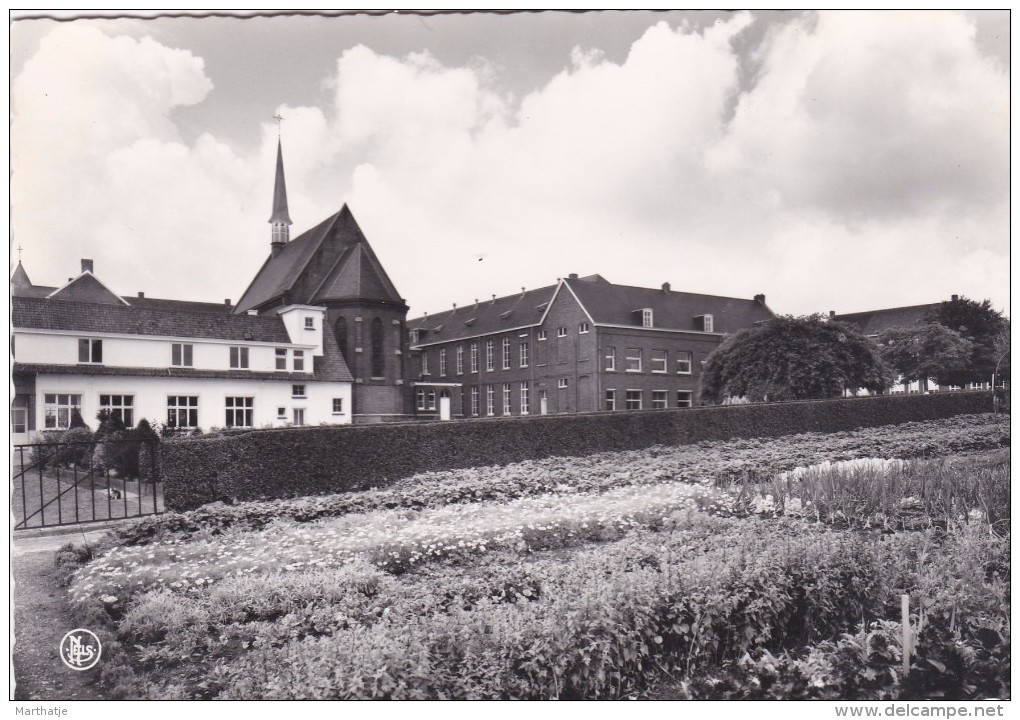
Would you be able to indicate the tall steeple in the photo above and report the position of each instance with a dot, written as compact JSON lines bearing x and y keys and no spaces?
{"x":280,"y":219}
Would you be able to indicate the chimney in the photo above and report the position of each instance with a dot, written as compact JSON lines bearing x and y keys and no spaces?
{"x":86,"y":266}
{"x":955,"y":297}
{"x":760,"y":299}
{"x":522,"y":292}
{"x":425,"y":316}
{"x":832,"y":313}
{"x":665,"y":287}
{"x":141,"y":294}
{"x":455,"y":306}
{"x":572,"y":276}
{"x":227,"y":302}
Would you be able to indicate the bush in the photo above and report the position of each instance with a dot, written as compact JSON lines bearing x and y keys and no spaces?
{"x":292,"y":462}
{"x":77,"y":446}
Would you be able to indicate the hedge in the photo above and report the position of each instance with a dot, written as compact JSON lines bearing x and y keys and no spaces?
{"x":291,"y":462}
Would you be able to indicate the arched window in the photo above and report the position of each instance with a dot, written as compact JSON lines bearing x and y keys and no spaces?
{"x":378,"y":359}
{"x":341,"y":336}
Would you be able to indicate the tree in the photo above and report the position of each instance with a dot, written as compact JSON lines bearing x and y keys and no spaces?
{"x":793,"y":358}
{"x":76,"y":420}
{"x":980,"y":323}
{"x":925,"y":351}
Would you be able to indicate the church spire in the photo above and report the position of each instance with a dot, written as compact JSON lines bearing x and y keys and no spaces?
{"x":280,"y":219}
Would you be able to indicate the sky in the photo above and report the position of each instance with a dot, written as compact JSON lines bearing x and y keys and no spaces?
{"x":844,"y":160}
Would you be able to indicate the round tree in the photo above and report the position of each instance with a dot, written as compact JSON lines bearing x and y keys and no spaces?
{"x":926,"y":351}
{"x":978,"y":322}
{"x":793,"y":358}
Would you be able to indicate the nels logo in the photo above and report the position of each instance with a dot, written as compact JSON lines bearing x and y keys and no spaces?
{"x":80,"y":649}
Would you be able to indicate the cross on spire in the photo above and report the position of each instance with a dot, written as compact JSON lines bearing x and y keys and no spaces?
{"x":19,"y":253}
{"x":279,"y":120}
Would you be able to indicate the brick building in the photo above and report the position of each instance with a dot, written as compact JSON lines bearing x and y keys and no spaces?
{"x":581,"y":345}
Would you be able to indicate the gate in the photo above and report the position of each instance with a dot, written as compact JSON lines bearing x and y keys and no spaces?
{"x":69,"y":483}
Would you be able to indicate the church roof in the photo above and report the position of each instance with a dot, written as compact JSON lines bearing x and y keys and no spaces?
{"x":606,"y":304}
{"x":872,"y":322}
{"x":331,"y":262}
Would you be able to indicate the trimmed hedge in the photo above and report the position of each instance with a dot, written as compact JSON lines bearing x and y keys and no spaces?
{"x":313,"y":460}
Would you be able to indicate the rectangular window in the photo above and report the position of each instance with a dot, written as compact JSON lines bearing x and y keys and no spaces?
{"x":659,"y":361}
{"x":297,"y":391}
{"x":633,"y":399}
{"x":299,"y":416}
{"x":239,"y":357}
{"x":460,"y":359}
{"x":57,"y":410}
{"x":474,"y":357}
{"x":525,"y":399}
{"x":633,"y":360}
{"x":299,"y":361}
{"x":281,"y":413}
{"x":583,"y":328}
{"x":442,"y":361}
{"x":646,"y":317}
{"x":338,"y":406}
{"x":524,"y":354}
{"x":683,"y":363}
{"x":610,"y":359}
{"x":474,"y":400}
{"x":541,"y":335}
{"x":181,"y":355}
{"x":684,"y":398}
{"x":489,"y":361}
{"x":610,"y":399}
{"x":90,"y":350}
{"x":19,"y":420}
{"x":122,"y":406}
{"x":240,"y":411}
{"x":659,"y":399}
{"x":182,"y":411}
{"x":709,"y":323}
{"x":281,"y":358}
{"x":506,"y":399}
{"x":561,"y":332}
{"x":561,"y":383}
{"x":309,"y":325}
{"x":490,"y":400}
{"x":506,"y":353}
{"x":424,"y":362}
{"x":415,"y":336}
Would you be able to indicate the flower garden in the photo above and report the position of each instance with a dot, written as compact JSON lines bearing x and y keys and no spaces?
{"x":730,"y":569}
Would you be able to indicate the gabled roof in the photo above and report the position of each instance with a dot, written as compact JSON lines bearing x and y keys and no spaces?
{"x":175,"y":320}
{"x":87,"y":288}
{"x":605,"y":303}
{"x":872,"y":322}
{"x":332,"y":261}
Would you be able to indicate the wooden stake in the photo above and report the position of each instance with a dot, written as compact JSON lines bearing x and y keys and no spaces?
{"x":905,"y":612}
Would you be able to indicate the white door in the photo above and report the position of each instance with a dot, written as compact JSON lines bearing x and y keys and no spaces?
{"x":444,"y":407}
{"x":543,"y":403}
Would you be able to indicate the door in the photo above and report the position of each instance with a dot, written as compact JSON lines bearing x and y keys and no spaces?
{"x":444,"y":405}
{"x":543,"y":402}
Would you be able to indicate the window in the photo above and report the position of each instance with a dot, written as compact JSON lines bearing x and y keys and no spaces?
{"x":19,"y":420}
{"x":90,"y":351}
{"x":490,"y":400}
{"x":659,"y":361}
{"x":338,"y":406}
{"x":121,"y":406}
{"x":541,"y":335}
{"x":583,"y":328}
{"x":659,"y":399}
{"x":506,"y":399}
{"x":281,"y":358}
{"x":684,"y":398}
{"x":299,"y":361}
{"x":430,"y":398}
{"x":309,"y":325}
{"x":474,"y":357}
{"x":561,"y":332}
{"x":610,"y":359}
{"x":633,"y":399}
{"x":489,"y":347}
{"x":57,"y":410}
{"x":181,"y":355}
{"x":524,"y":354}
{"x":239,"y":357}
{"x":378,"y":348}
{"x":182,"y":411}
{"x":683,"y":363}
{"x":442,"y":361}
{"x":460,"y":359}
{"x":709,"y":323}
{"x":281,"y":413}
{"x":633,"y":360}
{"x":415,"y":336}
{"x":341,"y":336}
{"x":561,"y":383}
{"x":425,"y":362}
{"x":297,"y":391}
{"x":474,"y":400}
{"x":610,"y":399}
{"x":646,"y":317}
{"x":299,"y":416}
{"x":506,"y":353}
{"x":525,"y":399}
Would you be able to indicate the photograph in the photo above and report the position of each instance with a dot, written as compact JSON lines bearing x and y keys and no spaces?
{"x":478,"y":355}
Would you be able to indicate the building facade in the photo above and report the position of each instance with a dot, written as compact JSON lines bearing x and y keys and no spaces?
{"x":581,"y":345}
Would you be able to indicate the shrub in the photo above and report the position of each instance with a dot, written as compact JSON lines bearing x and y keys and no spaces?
{"x":77,"y":446}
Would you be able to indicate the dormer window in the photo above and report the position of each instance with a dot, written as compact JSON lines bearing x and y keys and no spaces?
{"x":705,"y":322}
{"x":646,"y":317}
{"x":415,"y":336}
{"x":309,"y":323}
{"x":299,"y":361}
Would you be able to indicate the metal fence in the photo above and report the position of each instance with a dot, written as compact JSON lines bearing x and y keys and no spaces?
{"x":67,"y":483}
